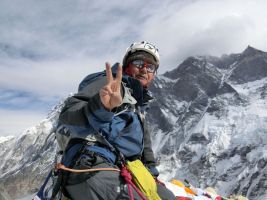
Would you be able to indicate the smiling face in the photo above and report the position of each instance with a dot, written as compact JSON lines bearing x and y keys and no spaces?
{"x":140,"y":74}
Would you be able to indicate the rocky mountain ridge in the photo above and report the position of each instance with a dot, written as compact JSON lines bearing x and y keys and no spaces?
{"x":211,"y":122}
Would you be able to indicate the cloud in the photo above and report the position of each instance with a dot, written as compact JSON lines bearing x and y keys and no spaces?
{"x":47,"y":47}
{"x":22,"y":100}
{"x":206,"y":26}
{"x":15,"y":122}
{"x":49,"y":78}
{"x":227,"y":34}
{"x":57,"y":29}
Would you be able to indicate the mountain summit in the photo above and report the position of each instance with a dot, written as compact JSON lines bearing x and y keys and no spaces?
{"x":250,"y":51}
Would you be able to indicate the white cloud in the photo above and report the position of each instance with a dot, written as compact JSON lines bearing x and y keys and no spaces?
{"x":15,"y":122}
{"x":207,"y":26}
{"x":50,"y":78}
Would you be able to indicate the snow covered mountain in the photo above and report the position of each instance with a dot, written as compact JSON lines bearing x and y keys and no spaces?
{"x":27,"y":159}
{"x":211,"y":125}
{"x":208,"y":122}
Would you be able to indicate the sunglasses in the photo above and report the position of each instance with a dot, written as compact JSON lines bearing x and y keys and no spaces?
{"x":149,"y":67}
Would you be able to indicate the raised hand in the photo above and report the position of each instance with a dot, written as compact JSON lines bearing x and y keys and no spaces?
{"x":110,"y":94}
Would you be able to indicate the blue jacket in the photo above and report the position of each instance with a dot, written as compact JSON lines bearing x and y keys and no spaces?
{"x":84,"y":116}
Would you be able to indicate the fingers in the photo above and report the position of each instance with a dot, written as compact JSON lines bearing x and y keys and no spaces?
{"x":108,"y":73}
{"x":119,"y":73}
{"x":103,"y":92}
{"x":106,"y":91}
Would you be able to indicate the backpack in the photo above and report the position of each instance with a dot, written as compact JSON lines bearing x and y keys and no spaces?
{"x":64,"y":132}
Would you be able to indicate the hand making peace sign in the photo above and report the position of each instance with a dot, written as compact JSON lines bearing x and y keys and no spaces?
{"x":110,"y":94}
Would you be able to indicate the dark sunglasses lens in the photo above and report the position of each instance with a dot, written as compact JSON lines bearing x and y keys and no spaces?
{"x":151,"y":68}
{"x":138,"y":63}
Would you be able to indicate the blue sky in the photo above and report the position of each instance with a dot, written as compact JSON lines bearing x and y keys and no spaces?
{"x":47,"y":47}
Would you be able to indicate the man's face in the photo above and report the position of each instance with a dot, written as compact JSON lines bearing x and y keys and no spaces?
{"x":141,"y":72}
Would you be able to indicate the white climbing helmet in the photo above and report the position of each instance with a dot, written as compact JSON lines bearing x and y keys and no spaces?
{"x":142,"y":46}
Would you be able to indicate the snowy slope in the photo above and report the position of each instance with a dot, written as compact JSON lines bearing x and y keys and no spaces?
{"x":26,"y":160}
{"x":217,"y":125}
{"x":231,"y":147}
